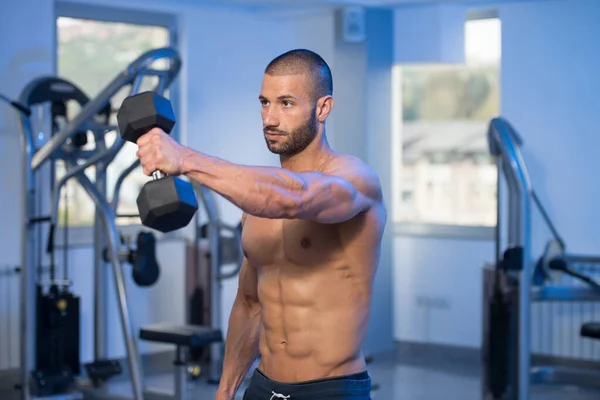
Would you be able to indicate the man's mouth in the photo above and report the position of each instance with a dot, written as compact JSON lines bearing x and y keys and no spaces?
{"x":273,"y":133}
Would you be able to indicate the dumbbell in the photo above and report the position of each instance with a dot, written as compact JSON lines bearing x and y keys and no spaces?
{"x":166,"y":203}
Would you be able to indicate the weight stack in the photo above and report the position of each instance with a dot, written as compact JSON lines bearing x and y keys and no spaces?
{"x":496,"y":347}
{"x":57,"y":340}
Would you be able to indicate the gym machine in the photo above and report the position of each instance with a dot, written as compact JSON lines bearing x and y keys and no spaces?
{"x":516,"y":281}
{"x":69,"y":144}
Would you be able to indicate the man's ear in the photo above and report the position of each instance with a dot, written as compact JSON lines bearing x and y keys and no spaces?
{"x":324,"y":107}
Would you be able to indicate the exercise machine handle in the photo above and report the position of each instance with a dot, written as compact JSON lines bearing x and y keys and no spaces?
{"x":77,"y":171}
{"x":119,"y":183}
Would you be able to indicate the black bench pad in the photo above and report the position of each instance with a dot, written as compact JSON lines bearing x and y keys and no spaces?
{"x":591,"y":330}
{"x":181,"y":335}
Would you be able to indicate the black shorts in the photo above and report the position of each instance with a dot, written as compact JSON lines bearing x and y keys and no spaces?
{"x":348,"y":387}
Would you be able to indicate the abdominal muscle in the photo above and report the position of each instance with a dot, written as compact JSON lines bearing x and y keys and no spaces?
{"x":313,"y":321}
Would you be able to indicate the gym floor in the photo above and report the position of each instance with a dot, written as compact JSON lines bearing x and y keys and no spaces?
{"x":399,"y":376}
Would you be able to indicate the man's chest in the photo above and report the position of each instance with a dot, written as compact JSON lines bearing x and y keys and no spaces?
{"x":275,"y":241}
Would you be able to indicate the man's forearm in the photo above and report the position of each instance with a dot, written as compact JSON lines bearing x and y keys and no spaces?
{"x":265,"y":192}
{"x":241,"y":347}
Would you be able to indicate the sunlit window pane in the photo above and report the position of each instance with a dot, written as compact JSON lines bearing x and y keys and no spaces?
{"x":447,"y":175}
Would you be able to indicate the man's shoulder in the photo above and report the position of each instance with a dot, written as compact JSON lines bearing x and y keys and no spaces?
{"x":357,"y":172}
{"x":348,"y":163}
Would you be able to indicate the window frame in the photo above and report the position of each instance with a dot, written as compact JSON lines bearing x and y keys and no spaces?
{"x":431,"y":230}
{"x":84,"y":235}
{"x":428,"y":229}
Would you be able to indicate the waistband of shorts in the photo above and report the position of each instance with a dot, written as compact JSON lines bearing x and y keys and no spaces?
{"x":352,"y":384}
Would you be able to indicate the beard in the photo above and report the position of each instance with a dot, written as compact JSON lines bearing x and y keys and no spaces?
{"x":295,"y":141}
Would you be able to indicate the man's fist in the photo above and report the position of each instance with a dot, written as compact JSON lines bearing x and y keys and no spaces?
{"x":159,"y":151}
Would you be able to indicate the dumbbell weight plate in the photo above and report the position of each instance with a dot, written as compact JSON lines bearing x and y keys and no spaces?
{"x":167,"y":204}
{"x":143,"y":111}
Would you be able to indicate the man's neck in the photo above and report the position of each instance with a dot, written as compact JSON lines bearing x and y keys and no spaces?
{"x":309,"y":159}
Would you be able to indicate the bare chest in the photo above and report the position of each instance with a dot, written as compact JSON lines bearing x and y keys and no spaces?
{"x":268,"y":242}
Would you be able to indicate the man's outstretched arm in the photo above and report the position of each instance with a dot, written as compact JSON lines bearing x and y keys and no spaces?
{"x":344,"y":189}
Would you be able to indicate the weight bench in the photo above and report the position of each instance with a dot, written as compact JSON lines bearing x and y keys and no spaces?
{"x":591,"y":330}
{"x":184,"y":337}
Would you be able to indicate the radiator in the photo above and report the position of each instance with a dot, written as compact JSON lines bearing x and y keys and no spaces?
{"x":556,"y":324}
{"x":9,"y":318}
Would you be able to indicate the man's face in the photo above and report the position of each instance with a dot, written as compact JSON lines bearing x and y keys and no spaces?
{"x":288,"y":113}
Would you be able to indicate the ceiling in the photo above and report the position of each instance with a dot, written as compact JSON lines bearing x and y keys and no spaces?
{"x":312,"y":5}
{"x":371,"y":3}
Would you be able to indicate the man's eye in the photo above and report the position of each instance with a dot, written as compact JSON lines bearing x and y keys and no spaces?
{"x":287,"y":103}
{"x":264,"y":102}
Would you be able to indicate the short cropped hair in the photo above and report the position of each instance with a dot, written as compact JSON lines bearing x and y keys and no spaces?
{"x":302,"y":61}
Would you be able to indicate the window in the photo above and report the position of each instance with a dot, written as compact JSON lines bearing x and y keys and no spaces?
{"x":93,"y":46}
{"x":446,"y":175}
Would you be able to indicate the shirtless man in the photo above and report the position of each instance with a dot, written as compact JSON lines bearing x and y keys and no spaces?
{"x":311,"y":238}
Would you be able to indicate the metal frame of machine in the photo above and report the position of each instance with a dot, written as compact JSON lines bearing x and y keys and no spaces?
{"x":106,"y":236}
{"x":518,"y":271}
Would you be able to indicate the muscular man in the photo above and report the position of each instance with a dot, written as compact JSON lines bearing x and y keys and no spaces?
{"x":311,"y":239}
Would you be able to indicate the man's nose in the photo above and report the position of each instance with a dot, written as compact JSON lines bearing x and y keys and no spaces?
{"x":270,"y":118}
